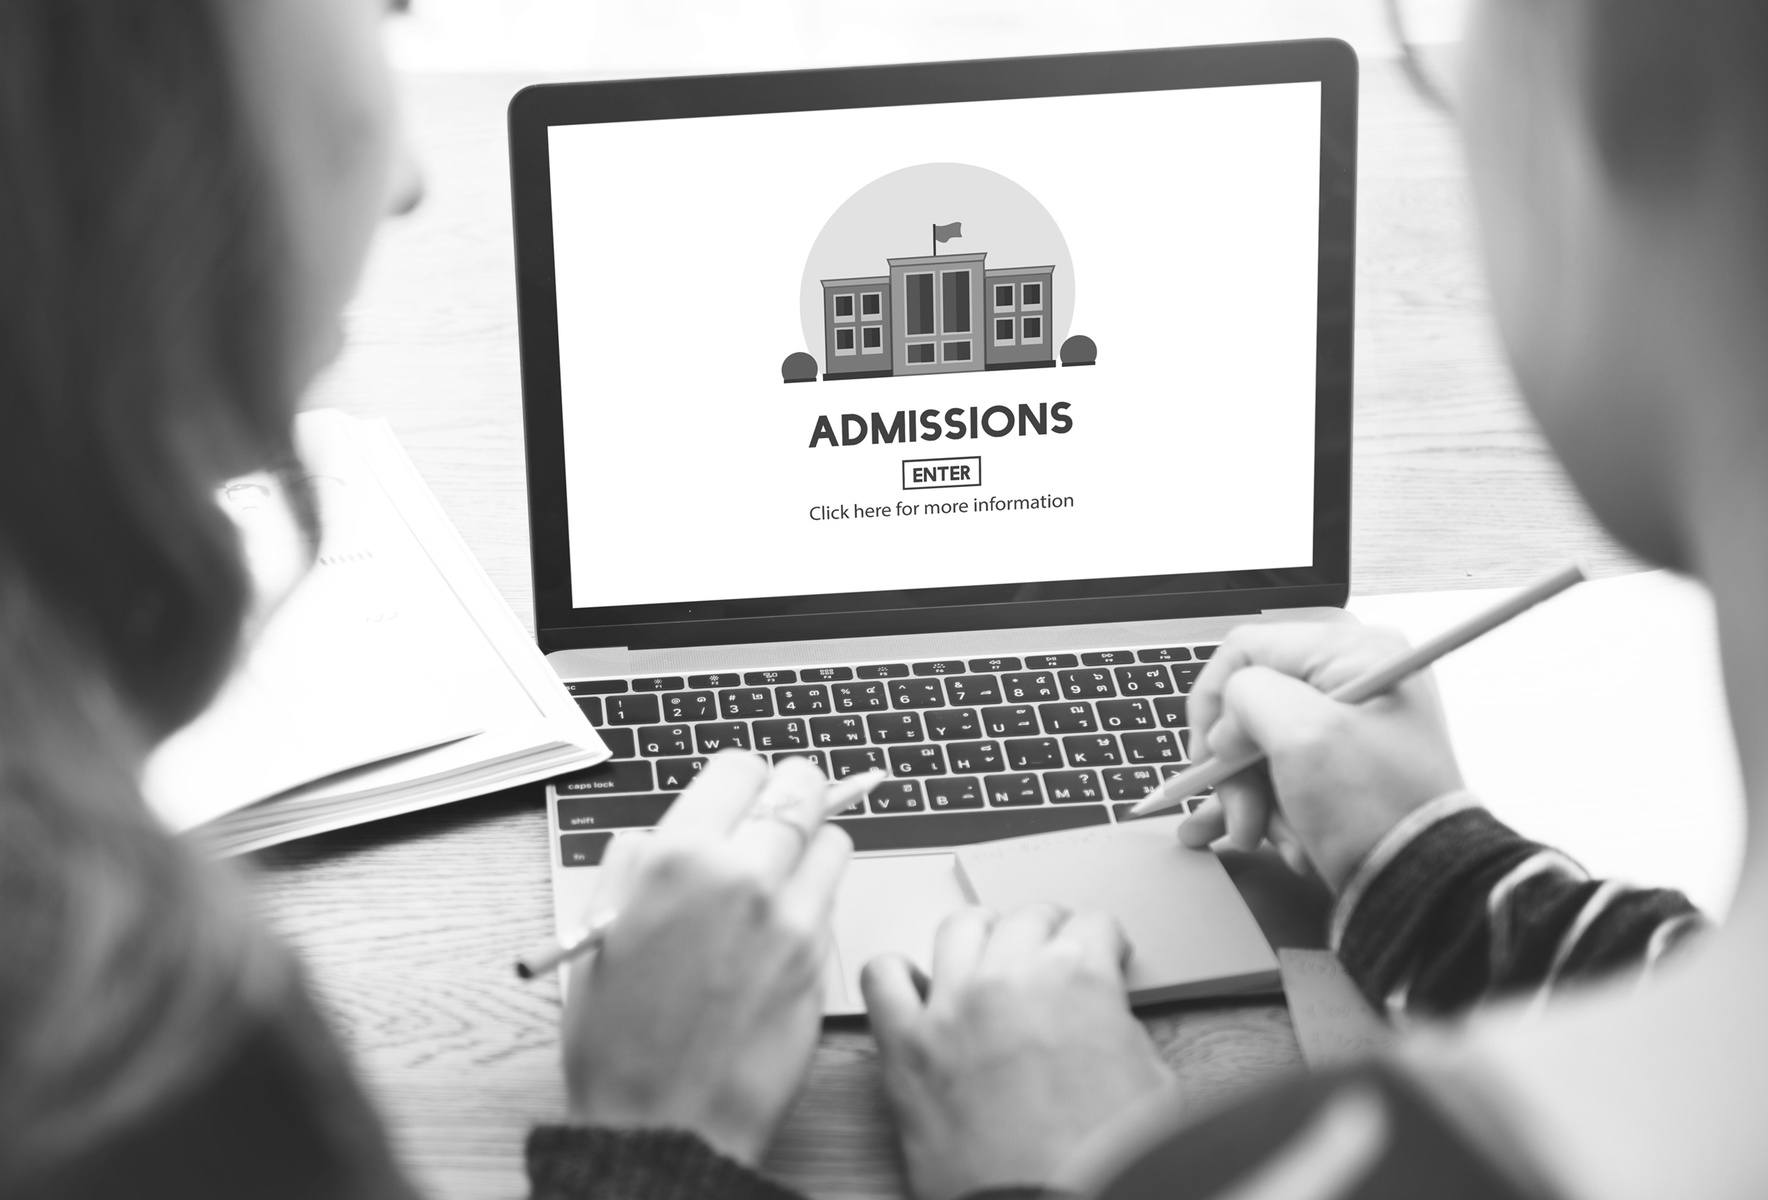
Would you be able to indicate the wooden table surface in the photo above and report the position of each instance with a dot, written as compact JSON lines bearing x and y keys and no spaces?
{"x":408,"y":926}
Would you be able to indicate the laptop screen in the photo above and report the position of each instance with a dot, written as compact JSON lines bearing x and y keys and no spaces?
{"x":890,"y":351}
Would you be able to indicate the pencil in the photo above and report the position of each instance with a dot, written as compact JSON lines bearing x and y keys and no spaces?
{"x":554,"y":954}
{"x":1208,"y":772}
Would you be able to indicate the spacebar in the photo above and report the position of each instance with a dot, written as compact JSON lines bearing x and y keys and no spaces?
{"x":927,"y":831}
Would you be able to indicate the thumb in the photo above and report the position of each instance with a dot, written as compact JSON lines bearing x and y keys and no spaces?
{"x":1276,"y":713}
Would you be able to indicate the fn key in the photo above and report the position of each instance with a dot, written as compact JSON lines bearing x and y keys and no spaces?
{"x":583,"y":849}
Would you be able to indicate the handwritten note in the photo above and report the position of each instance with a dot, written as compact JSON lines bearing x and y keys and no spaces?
{"x":1333,"y":1023}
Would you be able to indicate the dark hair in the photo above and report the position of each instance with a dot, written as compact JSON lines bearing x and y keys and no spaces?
{"x":142,"y":338}
{"x":143,"y":361}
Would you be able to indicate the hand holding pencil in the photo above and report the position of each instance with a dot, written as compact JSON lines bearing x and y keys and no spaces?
{"x":1351,"y":727}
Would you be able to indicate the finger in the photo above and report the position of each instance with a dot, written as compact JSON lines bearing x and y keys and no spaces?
{"x":719,"y":797}
{"x":782,"y":821}
{"x":614,"y":879}
{"x":1101,"y":939}
{"x":1207,"y":823}
{"x":1021,"y":933}
{"x":957,"y":946}
{"x":888,"y":985}
{"x":1289,"y":847}
{"x":808,"y":897}
{"x":1279,"y":714}
{"x":1326,"y":654}
{"x":1246,"y":813}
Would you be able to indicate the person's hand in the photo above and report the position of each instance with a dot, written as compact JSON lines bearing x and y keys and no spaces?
{"x":702,"y":1008}
{"x":1338,"y":776}
{"x":1019,"y":1046}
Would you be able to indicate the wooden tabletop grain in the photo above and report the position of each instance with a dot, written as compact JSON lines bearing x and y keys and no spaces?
{"x":408,"y":926}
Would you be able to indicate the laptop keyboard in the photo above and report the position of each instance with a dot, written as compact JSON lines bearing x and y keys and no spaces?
{"x":977,"y":749}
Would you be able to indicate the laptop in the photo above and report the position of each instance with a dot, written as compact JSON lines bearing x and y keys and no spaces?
{"x":938,"y":417}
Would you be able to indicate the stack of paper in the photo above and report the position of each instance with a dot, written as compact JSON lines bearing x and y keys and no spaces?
{"x":393,"y":678}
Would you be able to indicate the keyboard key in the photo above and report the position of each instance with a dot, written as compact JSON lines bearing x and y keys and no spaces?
{"x":1158,"y":746}
{"x":612,"y":812}
{"x":917,"y":693}
{"x":1122,"y":811}
{"x":724,"y":679}
{"x":897,"y":796}
{"x":1167,"y":772}
{"x":1009,"y":721}
{"x":859,"y":697}
{"x":824,"y":674}
{"x":1073,"y":787}
{"x":944,"y":724}
{"x":1087,"y":685}
{"x":1170,"y":711}
{"x":608,"y":777}
{"x":1013,"y":791}
{"x":916,"y":761}
{"x":943,"y":666}
{"x":930,"y":830}
{"x":674,"y":774}
{"x":659,"y":683}
{"x":592,"y":708}
{"x":975,"y":757}
{"x":802,"y":701}
{"x":1205,"y":653}
{"x":1051,"y":662}
{"x":838,"y":731}
{"x":634,"y":710}
{"x":954,"y":793}
{"x":657,"y":740}
{"x":1185,"y":674}
{"x":595,"y":687}
{"x":973,"y":689}
{"x":780,"y":735}
{"x":745,"y":702}
{"x":714,"y":736}
{"x":996,"y":664}
{"x":1107,"y":658}
{"x":1032,"y":754}
{"x":1024,"y":687}
{"x":1143,"y":681}
{"x":1067,"y":717}
{"x":889,"y":729}
{"x":883,"y":671}
{"x":689,"y":706}
{"x":843,"y":763}
{"x":620,"y":742}
{"x":1125,"y":714}
{"x":1130,"y":783}
{"x":583,"y":849}
{"x":1165,"y":654}
{"x":816,"y":756}
{"x":1091,"y":750}
{"x":753,"y":678}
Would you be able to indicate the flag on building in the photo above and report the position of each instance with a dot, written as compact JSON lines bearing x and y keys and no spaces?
{"x":945,"y":233}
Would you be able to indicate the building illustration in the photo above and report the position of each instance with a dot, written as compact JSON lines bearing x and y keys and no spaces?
{"x":937,"y":313}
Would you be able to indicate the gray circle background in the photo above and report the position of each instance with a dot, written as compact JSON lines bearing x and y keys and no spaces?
{"x":893,"y":217}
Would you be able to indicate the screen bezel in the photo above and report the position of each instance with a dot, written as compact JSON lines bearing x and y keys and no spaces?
{"x":1326,"y":581}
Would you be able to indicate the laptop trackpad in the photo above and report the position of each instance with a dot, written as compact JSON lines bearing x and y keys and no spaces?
{"x":889,"y":905}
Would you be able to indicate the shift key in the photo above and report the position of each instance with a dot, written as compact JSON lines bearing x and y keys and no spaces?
{"x":612,"y":812}
{"x":608,"y":777}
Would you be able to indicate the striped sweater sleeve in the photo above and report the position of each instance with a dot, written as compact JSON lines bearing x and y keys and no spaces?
{"x":1453,"y":908}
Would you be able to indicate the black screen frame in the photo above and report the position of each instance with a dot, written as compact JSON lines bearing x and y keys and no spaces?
{"x":1325,"y":582}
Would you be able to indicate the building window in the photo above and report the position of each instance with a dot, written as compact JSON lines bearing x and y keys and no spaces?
{"x":1032,"y":330}
{"x":917,"y":300}
{"x":871,"y":339}
{"x":1004,"y":331}
{"x":1031,"y":295}
{"x":844,"y":308}
{"x":955,"y":292}
{"x":957,"y":352}
{"x":871,"y":305}
{"x":921,"y":352}
{"x":1004,"y":296}
{"x":844,"y":341}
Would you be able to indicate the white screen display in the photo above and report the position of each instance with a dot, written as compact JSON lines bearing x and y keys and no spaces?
{"x":1060,"y":338}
